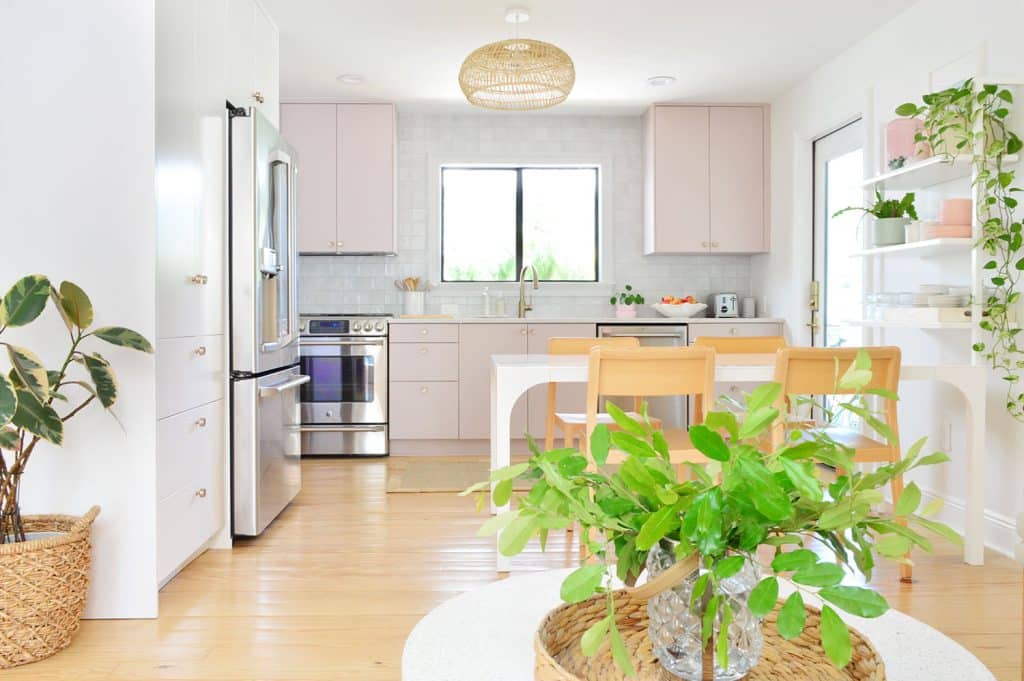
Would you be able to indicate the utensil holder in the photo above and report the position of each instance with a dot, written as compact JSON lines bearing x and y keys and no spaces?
{"x":413,"y":302}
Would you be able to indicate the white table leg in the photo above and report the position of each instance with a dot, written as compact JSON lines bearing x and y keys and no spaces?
{"x":501,"y":455}
{"x":973,"y":388}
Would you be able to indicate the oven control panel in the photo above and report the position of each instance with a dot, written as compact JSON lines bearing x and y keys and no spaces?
{"x":343,"y":326}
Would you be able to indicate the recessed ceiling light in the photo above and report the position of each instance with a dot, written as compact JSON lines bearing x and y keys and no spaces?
{"x":350,"y":79}
{"x":517,"y":15}
{"x":661,"y":81}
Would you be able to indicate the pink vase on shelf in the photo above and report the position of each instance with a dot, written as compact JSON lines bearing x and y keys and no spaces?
{"x":900,"y":141}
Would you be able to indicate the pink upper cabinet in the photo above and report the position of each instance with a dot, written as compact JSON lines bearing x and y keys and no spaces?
{"x":366,"y":178}
{"x":676,"y":215}
{"x":705,"y":179}
{"x":738,"y":180}
{"x":311,"y":129}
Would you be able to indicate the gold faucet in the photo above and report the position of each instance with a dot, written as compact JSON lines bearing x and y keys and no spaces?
{"x":524,"y":307}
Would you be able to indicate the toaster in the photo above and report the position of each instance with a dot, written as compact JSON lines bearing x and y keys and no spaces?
{"x":723,"y":305}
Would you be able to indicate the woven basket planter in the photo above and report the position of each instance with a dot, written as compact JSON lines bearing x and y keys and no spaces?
{"x":559,"y":657}
{"x":43,"y":583}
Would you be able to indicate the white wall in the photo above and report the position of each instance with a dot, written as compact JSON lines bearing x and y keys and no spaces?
{"x":930,"y":42}
{"x":365,"y":283}
{"x":76,"y":188}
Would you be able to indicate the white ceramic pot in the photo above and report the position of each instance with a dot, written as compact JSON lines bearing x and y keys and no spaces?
{"x":889,"y":231}
{"x":625,"y":311}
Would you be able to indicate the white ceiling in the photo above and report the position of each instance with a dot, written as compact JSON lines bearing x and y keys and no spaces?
{"x":409,"y":51}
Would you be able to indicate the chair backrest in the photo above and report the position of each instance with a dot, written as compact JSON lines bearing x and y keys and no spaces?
{"x":582,"y":346}
{"x":816,"y":371}
{"x":735,"y":345}
{"x":650,"y":372}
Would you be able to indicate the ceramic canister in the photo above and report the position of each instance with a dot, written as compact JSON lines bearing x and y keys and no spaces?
{"x":899,"y":140}
{"x":955,"y":212}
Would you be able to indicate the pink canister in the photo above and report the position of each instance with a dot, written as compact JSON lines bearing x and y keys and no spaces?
{"x":955,"y":212}
{"x":900,"y":142}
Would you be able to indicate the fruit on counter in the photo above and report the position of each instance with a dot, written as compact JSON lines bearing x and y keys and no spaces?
{"x":672,"y":300}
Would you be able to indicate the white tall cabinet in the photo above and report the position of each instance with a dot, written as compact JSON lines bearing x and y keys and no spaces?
{"x":207,"y":52}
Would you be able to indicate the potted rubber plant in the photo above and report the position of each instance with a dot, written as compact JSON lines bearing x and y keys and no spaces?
{"x":626,"y":302}
{"x":717,"y":547}
{"x":891,"y":218}
{"x":45,"y":559}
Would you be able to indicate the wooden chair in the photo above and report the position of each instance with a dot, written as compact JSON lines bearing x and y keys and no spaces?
{"x":573,"y":425}
{"x":816,"y":371}
{"x":652,"y":372}
{"x":740,"y":345}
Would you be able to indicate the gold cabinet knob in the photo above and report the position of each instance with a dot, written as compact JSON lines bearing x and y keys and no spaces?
{"x":258,"y":96}
{"x":201,"y":493}
{"x":522,"y":332}
{"x":423,"y":351}
{"x":424,"y":390}
{"x":732,"y":331}
{"x":201,"y":350}
{"x":533,"y":332}
{"x":714,"y":244}
{"x":201,"y":422}
{"x":200,"y":279}
{"x":330,"y":244}
{"x":704,"y":244}
{"x":424,"y":332}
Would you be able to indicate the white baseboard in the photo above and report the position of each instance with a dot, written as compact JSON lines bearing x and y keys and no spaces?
{"x":1000,"y":530}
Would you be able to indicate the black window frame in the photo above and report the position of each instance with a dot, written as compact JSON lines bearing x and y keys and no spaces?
{"x":519,"y":220}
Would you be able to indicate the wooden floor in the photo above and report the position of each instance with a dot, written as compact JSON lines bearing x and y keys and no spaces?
{"x":334,"y":586}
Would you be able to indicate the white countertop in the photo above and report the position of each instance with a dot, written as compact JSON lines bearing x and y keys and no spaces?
{"x":638,"y":321}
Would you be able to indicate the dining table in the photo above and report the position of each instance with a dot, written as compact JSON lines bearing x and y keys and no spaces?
{"x":513,"y":375}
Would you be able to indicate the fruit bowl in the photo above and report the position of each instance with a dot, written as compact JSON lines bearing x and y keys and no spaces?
{"x":681,"y":310}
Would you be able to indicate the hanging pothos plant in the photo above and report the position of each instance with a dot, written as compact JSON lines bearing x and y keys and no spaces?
{"x":968,"y":120}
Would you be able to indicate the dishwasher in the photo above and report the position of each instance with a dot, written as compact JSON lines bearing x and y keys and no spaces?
{"x":673,"y":411}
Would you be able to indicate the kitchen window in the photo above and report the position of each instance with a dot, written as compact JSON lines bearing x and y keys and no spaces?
{"x":496,"y":219}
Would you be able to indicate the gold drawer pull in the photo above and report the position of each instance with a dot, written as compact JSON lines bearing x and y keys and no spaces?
{"x":200,"y":279}
{"x":201,"y":350}
{"x":201,"y":422}
{"x":423,"y":351}
{"x":258,"y":96}
{"x":201,"y":493}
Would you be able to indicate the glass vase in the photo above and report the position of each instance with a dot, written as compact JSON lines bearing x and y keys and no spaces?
{"x":674,"y":628}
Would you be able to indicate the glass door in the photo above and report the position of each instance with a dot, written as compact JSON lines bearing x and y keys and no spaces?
{"x":837,"y":286}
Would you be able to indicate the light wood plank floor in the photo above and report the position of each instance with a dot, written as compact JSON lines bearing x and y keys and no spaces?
{"x":337,"y":582}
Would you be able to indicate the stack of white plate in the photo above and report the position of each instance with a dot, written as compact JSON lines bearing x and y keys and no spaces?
{"x":947,"y":300}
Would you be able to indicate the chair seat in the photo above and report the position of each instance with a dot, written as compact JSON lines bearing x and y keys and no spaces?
{"x":581,"y":419}
{"x":864,"y":448}
{"x":680,"y":449}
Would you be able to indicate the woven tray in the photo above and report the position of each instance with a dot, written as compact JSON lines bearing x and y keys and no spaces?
{"x":559,"y":658}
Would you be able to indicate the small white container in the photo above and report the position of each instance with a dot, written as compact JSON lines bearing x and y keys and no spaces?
{"x":413,"y":302}
{"x":486,"y":297}
{"x":913,"y":231}
{"x":748,"y":308}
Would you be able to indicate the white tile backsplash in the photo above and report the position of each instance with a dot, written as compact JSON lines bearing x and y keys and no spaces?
{"x":365,"y":283}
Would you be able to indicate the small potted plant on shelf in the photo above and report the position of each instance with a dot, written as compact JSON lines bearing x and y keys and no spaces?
{"x":45,"y":559}
{"x":891,"y":218}
{"x":626,"y":302}
{"x":713,"y":546}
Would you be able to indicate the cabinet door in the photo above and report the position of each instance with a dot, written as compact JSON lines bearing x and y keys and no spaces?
{"x":238,"y":53}
{"x":477,"y":342}
{"x":737,"y":185}
{"x":266,"y":74}
{"x":366,"y":178}
{"x":737,"y":328}
{"x":312,"y":130}
{"x":570,"y":397}
{"x":424,"y":410}
{"x":676,"y":148}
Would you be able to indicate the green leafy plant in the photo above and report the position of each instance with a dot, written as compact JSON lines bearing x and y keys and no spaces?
{"x":970,"y":121}
{"x":750,"y":499}
{"x":36,"y":402}
{"x":628,"y":297}
{"x":886,"y":208}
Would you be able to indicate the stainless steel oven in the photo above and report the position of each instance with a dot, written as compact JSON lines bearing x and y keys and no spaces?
{"x":344,"y":407}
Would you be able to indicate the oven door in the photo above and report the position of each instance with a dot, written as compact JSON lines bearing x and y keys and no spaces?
{"x":349,"y":378}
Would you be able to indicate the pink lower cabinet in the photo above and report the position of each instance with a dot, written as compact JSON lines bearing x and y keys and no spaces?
{"x":571,"y":397}
{"x":477,"y":342}
{"x":423,"y":410}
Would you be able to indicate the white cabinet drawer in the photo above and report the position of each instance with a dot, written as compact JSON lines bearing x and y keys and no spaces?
{"x":424,"y":362}
{"x":427,"y":410}
{"x":186,"y":443}
{"x":185,"y":521}
{"x":424,"y":333}
{"x":190,"y":371}
{"x":738,"y":329}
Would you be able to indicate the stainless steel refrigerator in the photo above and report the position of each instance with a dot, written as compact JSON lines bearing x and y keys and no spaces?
{"x":265,"y":375}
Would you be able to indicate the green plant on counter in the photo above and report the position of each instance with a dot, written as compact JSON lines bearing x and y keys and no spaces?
{"x":628,"y":297}
{"x":971,"y":121}
{"x":763,"y":498}
{"x":884,"y":208}
{"x":30,"y":395}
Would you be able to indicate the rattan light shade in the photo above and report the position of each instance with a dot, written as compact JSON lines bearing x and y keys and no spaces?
{"x":517,"y":74}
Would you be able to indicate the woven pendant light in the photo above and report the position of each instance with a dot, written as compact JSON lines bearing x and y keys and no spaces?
{"x":518,"y":74}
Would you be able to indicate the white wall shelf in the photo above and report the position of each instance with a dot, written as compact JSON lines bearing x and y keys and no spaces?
{"x":924,"y":249}
{"x":906,"y":324}
{"x":927,"y":173}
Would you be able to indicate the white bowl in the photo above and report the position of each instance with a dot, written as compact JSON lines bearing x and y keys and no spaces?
{"x":682,"y":310}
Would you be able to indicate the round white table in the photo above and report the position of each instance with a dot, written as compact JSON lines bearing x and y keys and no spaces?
{"x":487,"y":635}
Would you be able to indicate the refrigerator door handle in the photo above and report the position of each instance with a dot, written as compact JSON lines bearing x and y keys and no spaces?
{"x":270,"y":347}
{"x":283,"y":386}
